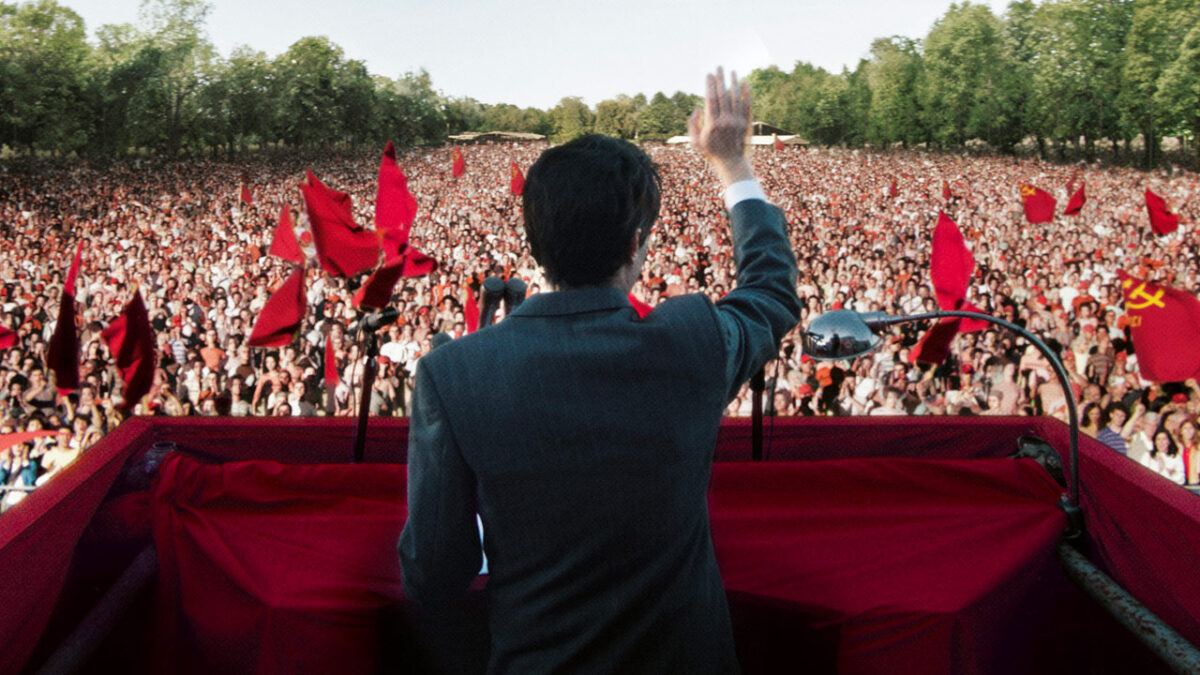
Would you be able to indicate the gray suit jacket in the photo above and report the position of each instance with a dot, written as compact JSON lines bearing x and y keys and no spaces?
{"x":583,"y":436}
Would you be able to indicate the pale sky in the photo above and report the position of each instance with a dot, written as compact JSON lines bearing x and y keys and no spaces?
{"x":534,"y":52}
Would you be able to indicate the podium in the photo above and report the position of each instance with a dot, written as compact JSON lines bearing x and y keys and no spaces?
{"x":859,"y":546}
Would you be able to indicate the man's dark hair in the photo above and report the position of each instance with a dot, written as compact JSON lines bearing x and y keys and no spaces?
{"x":583,"y":202}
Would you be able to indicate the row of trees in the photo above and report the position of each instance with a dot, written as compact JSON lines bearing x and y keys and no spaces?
{"x":1080,"y":73}
{"x":1061,"y":73}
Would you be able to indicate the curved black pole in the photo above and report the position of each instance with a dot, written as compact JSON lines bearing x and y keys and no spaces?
{"x":880,"y":320}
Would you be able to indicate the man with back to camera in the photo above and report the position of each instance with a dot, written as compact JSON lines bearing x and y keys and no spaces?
{"x":583,"y":435}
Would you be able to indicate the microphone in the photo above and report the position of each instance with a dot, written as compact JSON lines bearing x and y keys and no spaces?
{"x":376,"y":320}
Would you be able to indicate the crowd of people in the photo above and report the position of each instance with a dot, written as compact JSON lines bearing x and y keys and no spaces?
{"x":179,"y":233}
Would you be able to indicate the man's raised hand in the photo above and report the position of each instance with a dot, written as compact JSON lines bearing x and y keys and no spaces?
{"x":719,"y":131}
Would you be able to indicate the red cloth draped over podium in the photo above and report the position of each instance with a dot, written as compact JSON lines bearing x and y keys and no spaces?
{"x":938,"y":564}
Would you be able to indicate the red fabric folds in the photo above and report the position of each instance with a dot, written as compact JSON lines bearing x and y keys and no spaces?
{"x":1162,"y":221}
{"x":343,"y":248}
{"x":893,"y":189}
{"x":395,"y":207}
{"x":284,"y":244}
{"x":946,"y":193}
{"x":376,"y":293}
{"x":1039,"y":204}
{"x":247,"y":194}
{"x":1165,"y":327}
{"x":283,"y":314}
{"x":62,"y":353}
{"x":1075,"y":204}
{"x":130,"y":339}
{"x":271,"y":568}
{"x":914,"y":582}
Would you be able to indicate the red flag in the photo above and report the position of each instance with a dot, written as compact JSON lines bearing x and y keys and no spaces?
{"x":8,"y":339}
{"x":1165,"y":327}
{"x":946,"y":194}
{"x":331,"y":370}
{"x":343,"y":248}
{"x":73,"y":272}
{"x":950,"y":267}
{"x":62,"y":353}
{"x":376,"y":293}
{"x":395,"y":211}
{"x":1162,"y":221}
{"x":283,"y":314}
{"x":778,"y":143}
{"x":1075,"y":204}
{"x":460,"y":165}
{"x":471,"y":312}
{"x":247,"y":194}
{"x":640,"y":307}
{"x":284,"y":244}
{"x":517,"y":183}
{"x":395,"y":207}
{"x":893,"y":189}
{"x":1039,"y":204}
{"x":130,"y":339}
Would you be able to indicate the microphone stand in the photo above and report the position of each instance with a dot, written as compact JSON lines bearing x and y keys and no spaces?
{"x":370,"y":369}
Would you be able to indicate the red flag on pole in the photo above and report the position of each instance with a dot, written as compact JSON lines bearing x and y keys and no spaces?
{"x":395,"y":207}
{"x":376,"y":293}
{"x":778,"y":143}
{"x":247,"y":194}
{"x":893,"y":189}
{"x":62,"y":353}
{"x":1165,"y":327}
{"x":950,"y":267}
{"x":517,"y":183}
{"x":130,"y":339}
{"x":460,"y":165}
{"x":1039,"y":204}
{"x":283,"y":314}
{"x":343,"y":248}
{"x":471,"y":312}
{"x":946,"y":193}
{"x":284,"y":244}
{"x":1075,"y":204}
{"x":395,"y":210}
{"x":1162,"y":221}
{"x":331,"y":370}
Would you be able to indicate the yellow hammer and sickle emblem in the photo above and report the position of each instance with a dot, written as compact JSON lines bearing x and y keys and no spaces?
{"x":1028,"y":191}
{"x":1140,"y":294}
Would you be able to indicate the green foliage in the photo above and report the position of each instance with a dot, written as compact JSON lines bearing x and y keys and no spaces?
{"x":1062,"y":72}
{"x":571,"y":118}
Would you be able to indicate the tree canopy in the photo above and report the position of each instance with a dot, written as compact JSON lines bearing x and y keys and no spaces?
{"x":1059,"y":74}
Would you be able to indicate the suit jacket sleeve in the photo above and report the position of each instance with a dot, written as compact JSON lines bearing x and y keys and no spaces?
{"x":439,"y":548}
{"x":764,"y":306}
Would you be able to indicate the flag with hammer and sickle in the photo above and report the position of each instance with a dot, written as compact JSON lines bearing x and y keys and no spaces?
{"x":1165,"y":327}
{"x":1039,"y":204}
